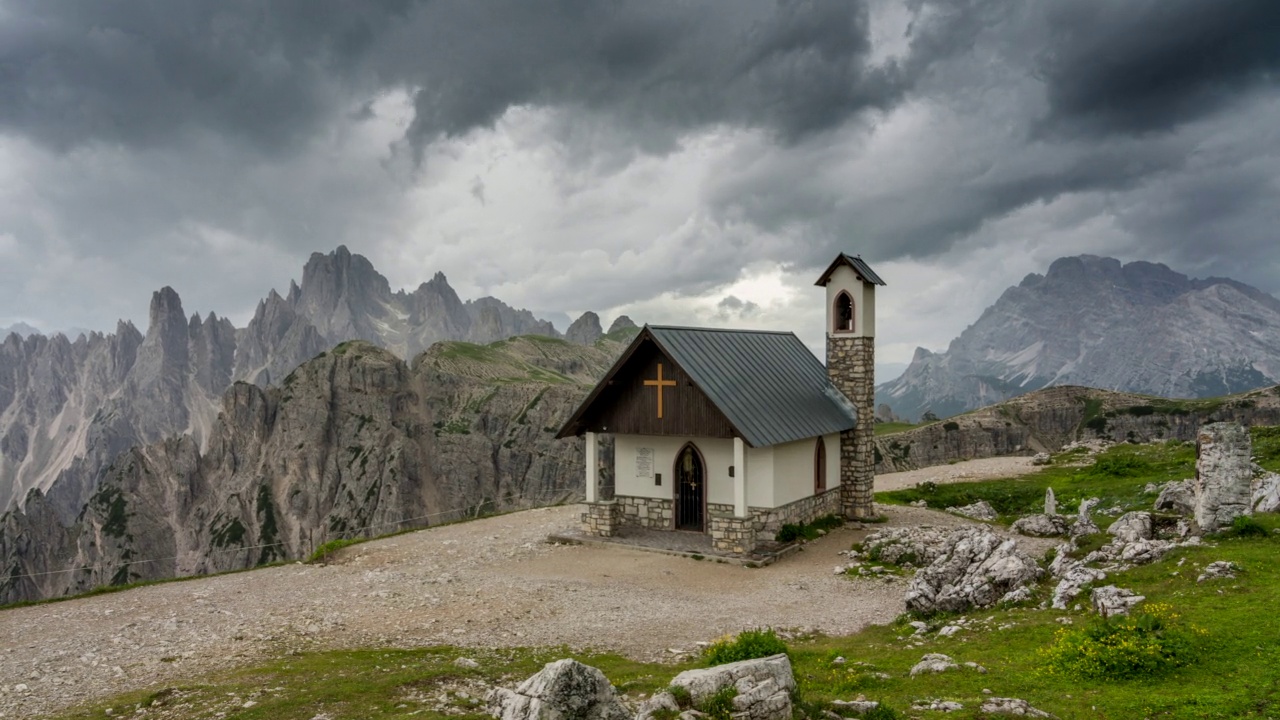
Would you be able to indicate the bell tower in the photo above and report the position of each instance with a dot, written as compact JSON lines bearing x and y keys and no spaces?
{"x":851,"y":355}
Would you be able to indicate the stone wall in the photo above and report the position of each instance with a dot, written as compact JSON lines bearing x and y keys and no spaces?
{"x":658,"y":514}
{"x":770,"y":520}
{"x":601,"y":519}
{"x":851,"y":365}
{"x":731,"y":534}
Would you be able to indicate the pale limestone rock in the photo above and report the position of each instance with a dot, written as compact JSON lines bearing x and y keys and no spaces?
{"x":1050,"y":502}
{"x":1224,"y":475}
{"x":1110,"y":600}
{"x":1012,"y":706}
{"x":1084,"y":524}
{"x":933,"y":663}
{"x":1177,"y":496}
{"x":1222,"y":569}
{"x":977,"y":569}
{"x":1041,"y":459}
{"x":1041,"y":525}
{"x":1266,"y":494}
{"x":854,"y":708}
{"x":980,"y":510}
{"x":562,"y":690}
{"x":1073,"y":582}
{"x":1131,"y":527}
{"x":764,"y":686}
{"x":659,"y":701}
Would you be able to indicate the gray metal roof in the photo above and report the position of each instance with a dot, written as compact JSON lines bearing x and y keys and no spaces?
{"x":768,"y":384}
{"x":859,"y":266}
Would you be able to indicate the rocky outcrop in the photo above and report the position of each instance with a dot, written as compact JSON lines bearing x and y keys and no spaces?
{"x":585,"y":330}
{"x":353,"y":443}
{"x":764,"y":686}
{"x":1131,"y":527}
{"x":1219,"y":570}
{"x":1041,"y":525}
{"x":1224,"y":475}
{"x":976,"y":569}
{"x":1050,"y":419}
{"x":1176,"y":496}
{"x":980,"y":510}
{"x":562,"y":690}
{"x":620,"y":323}
{"x":1132,"y":334}
{"x":1110,"y":601}
{"x":1265,"y":497}
{"x":932,"y":664}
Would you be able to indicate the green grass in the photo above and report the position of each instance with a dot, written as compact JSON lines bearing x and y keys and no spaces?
{"x":888,"y":428}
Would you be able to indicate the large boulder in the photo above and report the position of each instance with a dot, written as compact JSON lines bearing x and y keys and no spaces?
{"x":1041,"y":525}
{"x":976,"y":569}
{"x":561,"y":690}
{"x":1266,"y":494}
{"x":1177,"y":496}
{"x":980,"y":510}
{"x":764,"y":686}
{"x":1131,"y":527}
{"x":1110,"y":600}
{"x":1224,"y":475}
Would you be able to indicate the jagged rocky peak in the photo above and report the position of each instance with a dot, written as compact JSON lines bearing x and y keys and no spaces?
{"x":622,"y":322}
{"x":585,"y":330}
{"x":20,"y":329}
{"x":1093,"y":321}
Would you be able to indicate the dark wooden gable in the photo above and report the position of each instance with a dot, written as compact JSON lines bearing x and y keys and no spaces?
{"x":625,"y":404}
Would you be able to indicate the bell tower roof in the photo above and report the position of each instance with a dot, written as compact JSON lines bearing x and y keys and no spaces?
{"x":853,"y":262}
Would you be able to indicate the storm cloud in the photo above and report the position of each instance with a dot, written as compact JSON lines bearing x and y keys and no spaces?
{"x":685,"y":162}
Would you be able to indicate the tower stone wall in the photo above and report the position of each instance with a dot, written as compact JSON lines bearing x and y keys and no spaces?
{"x":851,"y":362}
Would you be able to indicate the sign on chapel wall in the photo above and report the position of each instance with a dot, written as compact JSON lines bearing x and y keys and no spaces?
{"x":644,"y":462}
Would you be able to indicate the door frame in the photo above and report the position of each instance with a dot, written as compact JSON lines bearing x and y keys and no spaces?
{"x":675,"y":486}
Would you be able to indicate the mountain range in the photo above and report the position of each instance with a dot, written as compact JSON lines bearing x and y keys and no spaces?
{"x":1137,"y":327}
{"x":69,"y":408}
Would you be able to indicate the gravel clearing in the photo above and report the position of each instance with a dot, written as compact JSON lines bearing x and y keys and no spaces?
{"x":488,"y":583}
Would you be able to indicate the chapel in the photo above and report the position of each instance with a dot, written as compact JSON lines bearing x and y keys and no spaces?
{"x":734,"y":433}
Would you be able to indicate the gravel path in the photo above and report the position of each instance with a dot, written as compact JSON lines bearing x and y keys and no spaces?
{"x":487,"y":583}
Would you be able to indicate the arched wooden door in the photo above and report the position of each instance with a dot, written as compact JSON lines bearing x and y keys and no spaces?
{"x":690,"y":489}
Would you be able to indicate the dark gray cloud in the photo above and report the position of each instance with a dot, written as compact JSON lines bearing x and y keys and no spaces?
{"x":1149,"y":65}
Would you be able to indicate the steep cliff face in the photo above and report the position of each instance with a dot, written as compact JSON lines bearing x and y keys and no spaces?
{"x":355,"y":442}
{"x":1091,"y":321}
{"x":67,"y":409}
{"x":1046,"y":420}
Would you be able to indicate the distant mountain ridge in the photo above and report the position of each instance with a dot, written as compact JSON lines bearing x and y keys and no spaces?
{"x":1092,"y":321}
{"x":68,"y":408}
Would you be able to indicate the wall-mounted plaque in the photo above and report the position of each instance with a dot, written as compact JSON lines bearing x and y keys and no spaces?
{"x":644,"y":462}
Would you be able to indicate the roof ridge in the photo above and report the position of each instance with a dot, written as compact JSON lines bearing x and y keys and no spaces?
{"x":722,"y":330}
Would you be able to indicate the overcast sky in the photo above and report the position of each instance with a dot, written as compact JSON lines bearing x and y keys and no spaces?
{"x":684,"y":162}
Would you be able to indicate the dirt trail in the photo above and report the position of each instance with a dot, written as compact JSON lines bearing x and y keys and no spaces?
{"x":488,"y":583}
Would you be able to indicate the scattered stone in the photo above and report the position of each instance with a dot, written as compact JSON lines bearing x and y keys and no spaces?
{"x":921,"y":627}
{"x":1073,"y":582}
{"x":466,"y":663}
{"x":981,"y":670}
{"x":1177,"y":496}
{"x":764,"y":686}
{"x":1150,"y":489}
{"x":1224,"y":475}
{"x":854,"y":708}
{"x":1012,"y":706}
{"x":949,"y":630}
{"x":1266,"y":494}
{"x":1131,"y":527}
{"x":1219,"y":570}
{"x":945,"y":706}
{"x":980,"y":510}
{"x":1050,"y":502}
{"x":918,"y":503}
{"x":1022,"y":594}
{"x":561,"y":690}
{"x":1045,"y":525}
{"x":1041,"y":459}
{"x":933,"y":663}
{"x":977,"y":569}
{"x":1110,"y":600}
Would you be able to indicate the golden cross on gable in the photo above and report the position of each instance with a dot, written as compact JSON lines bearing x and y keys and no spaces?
{"x":659,"y":384}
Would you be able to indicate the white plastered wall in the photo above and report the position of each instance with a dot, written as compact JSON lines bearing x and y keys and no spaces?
{"x":776,"y":475}
{"x":864,"y":301}
{"x":718,"y":454}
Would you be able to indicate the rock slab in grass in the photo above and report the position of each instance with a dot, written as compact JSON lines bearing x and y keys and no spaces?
{"x":854,"y":708}
{"x":1110,"y":601}
{"x":1041,"y":525}
{"x":1177,"y":496}
{"x":933,"y":663}
{"x":1222,"y":569}
{"x":980,"y":510}
{"x":764,"y":686}
{"x":1012,"y":706}
{"x":658,"y":702}
{"x":1266,"y":494}
{"x":561,"y":690}
{"x":1131,"y":527}
{"x":976,"y":569}
{"x":1224,"y":475}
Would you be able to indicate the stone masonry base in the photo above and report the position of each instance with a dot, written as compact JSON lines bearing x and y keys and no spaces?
{"x":728,"y":533}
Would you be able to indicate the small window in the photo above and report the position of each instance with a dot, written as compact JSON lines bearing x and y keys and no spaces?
{"x":844,"y":313}
{"x":820,"y":467}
